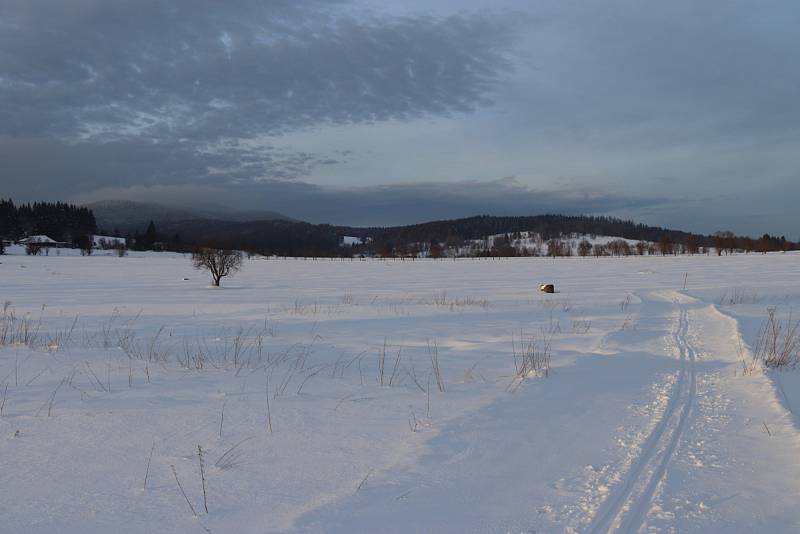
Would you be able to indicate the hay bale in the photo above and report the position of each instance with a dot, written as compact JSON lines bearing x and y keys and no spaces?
{"x":547,"y":288}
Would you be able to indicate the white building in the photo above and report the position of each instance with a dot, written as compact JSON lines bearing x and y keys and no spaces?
{"x":106,"y":242}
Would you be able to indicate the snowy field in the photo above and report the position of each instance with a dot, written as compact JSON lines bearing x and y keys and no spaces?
{"x":372,"y":396}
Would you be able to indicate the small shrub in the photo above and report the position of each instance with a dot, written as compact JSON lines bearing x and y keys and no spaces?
{"x":531,"y":356}
{"x":778,"y":343}
{"x":738,"y":296}
{"x":33,"y":249}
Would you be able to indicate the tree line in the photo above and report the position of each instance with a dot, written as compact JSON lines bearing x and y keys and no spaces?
{"x":58,"y":220}
{"x":555,"y":235}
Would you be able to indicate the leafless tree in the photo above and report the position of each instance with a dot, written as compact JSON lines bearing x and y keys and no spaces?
{"x":692,"y":245}
{"x":555,"y":247}
{"x":599,"y":249}
{"x":724,"y":242}
{"x":32,"y":248}
{"x":619,"y":247}
{"x":665,"y":245}
{"x":219,"y":262}
{"x":584,"y":248}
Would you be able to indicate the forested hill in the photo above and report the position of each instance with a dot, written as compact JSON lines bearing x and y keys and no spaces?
{"x":58,"y":220}
{"x":454,"y":234}
{"x":303,"y":239}
{"x":547,"y":226}
{"x":298,"y":238}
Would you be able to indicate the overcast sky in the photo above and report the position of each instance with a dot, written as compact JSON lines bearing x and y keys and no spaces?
{"x":680,"y":113}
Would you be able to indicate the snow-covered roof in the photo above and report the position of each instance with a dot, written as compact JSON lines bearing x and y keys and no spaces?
{"x":38,"y":239}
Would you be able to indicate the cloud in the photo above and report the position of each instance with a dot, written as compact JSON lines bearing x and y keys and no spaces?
{"x":113,"y":93}
{"x":206,"y":71}
{"x":384,"y":205}
{"x":44,"y":169}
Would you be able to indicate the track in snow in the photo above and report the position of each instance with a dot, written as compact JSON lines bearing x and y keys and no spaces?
{"x":626,"y":508}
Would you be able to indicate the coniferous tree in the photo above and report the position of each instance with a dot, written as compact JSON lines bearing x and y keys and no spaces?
{"x":150,"y":236}
{"x":60,"y":221}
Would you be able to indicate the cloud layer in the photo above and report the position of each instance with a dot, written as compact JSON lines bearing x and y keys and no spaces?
{"x":380,"y":205}
{"x":689,"y":103}
{"x":215,"y":77}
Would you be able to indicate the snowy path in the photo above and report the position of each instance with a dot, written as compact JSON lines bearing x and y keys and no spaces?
{"x":625,"y":510}
{"x":705,"y":444}
{"x":498,"y":454}
{"x":554,"y":477}
{"x":735,"y":468}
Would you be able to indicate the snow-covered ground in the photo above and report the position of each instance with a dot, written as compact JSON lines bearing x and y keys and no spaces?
{"x":311,"y":389}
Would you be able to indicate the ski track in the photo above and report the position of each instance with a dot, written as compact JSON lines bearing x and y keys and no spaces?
{"x":626,"y":509}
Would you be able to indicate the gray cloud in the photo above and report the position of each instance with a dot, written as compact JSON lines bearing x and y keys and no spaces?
{"x":99,"y":93}
{"x":205,"y":70}
{"x":48,"y":169}
{"x":383,"y":205}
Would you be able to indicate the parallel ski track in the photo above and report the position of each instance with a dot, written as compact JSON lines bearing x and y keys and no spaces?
{"x":641,"y":482}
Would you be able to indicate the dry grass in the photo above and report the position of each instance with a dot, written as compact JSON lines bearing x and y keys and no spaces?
{"x":738,"y":296}
{"x":531,"y":357}
{"x":778,"y":342}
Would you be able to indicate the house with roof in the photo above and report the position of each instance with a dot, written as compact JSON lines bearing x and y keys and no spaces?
{"x":42,"y":241}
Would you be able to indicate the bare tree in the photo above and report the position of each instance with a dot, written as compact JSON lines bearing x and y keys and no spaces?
{"x":665,"y":245}
{"x":32,"y":248}
{"x":619,"y":247}
{"x":555,"y":247}
{"x":435,"y":250}
{"x":724,"y":242}
{"x":219,"y":262}
{"x":692,"y":246}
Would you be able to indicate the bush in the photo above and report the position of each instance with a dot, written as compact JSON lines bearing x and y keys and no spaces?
{"x":33,"y":249}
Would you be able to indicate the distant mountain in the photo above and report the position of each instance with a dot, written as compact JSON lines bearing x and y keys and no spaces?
{"x":127,"y":215}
